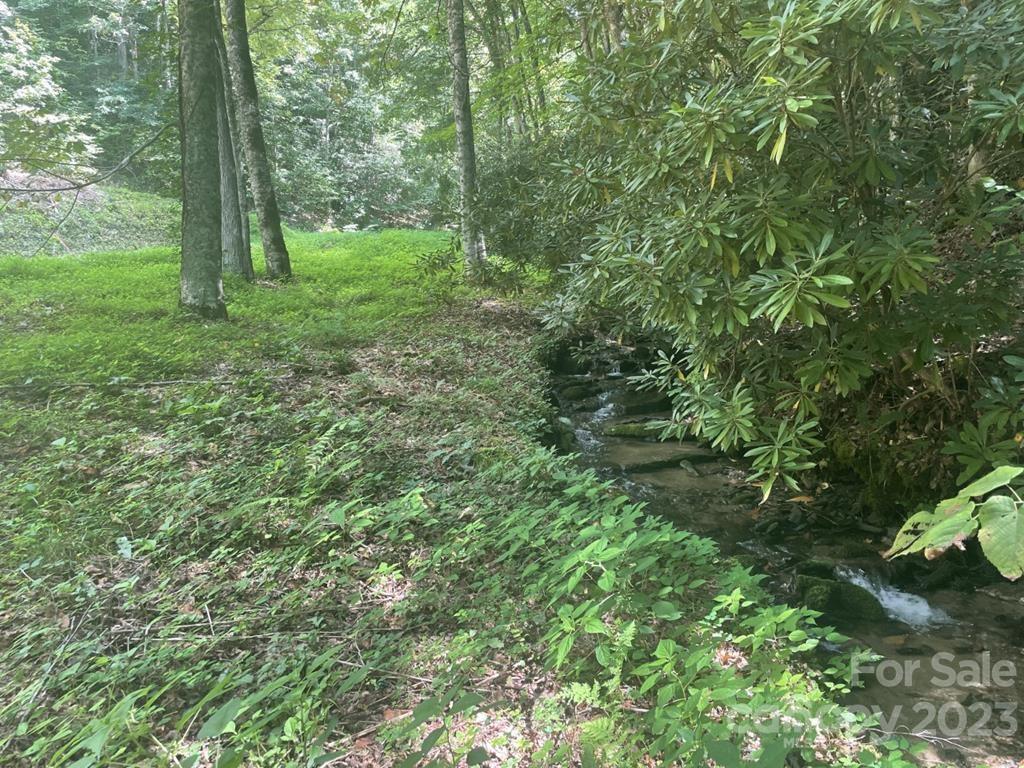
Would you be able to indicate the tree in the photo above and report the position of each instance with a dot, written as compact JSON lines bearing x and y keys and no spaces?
{"x":472,"y":245}
{"x":198,"y":86}
{"x":36,"y":125}
{"x":243,"y":80}
{"x":235,"y":245}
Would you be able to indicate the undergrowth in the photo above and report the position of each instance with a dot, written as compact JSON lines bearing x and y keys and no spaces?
{"x":324,"y":533}
{"x":90,"y":220}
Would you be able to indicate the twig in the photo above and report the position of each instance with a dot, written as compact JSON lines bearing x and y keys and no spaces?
{"x":209,"y":618}
{"x":59,"y":224}
{"x":95,"y":179}
{"x":391,"y":37}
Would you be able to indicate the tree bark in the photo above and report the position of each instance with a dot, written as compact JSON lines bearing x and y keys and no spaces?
{"x":236,"y":248}
{"x":534,"y":58}
{"x":198,"y":81}
{"x":472,"y":247}
{"x":235,"y":255}
{"x":613,"y":21}
{"x":243,"y":81}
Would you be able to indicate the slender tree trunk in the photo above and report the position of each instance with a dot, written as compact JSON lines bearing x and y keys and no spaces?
{"x":472,"y":246}
{"x":254,"y":146}
{"x":488,"y":33}
{"x":198,"y":82}
{"x":613,"y":22}
{"x":235,"y":256}
{"x":236,"y":247}
{"x":534,"y":59}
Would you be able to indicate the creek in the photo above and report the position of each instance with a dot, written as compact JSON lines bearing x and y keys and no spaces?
{"x":952,"y":667}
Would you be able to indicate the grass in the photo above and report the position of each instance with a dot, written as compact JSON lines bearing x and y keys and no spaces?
{"x":325,"y":533}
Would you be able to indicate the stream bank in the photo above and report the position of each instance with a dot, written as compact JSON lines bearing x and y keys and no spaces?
{"x":950,"y":648}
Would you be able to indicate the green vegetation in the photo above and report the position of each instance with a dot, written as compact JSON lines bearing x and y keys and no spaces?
{"x":327,"y":528}
{"x":111,"y":218}
{"x":804,"y":206}
{"x":274,"y":497}
{"x":997,"y":522}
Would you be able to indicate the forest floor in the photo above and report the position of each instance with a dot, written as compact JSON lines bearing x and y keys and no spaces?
{"x":326,"y":533}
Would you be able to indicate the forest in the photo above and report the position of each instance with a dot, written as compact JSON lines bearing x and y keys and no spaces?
{"x":511,"y":383}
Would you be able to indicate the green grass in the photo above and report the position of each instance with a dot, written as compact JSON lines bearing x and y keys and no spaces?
{"x":324,"y":533}
{"x":110,"y":315}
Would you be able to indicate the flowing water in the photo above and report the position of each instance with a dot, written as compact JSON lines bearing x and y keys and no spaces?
{"x":952,"y":667}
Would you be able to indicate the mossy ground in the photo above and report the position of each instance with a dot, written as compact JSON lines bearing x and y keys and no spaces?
{"x":324,"y":533}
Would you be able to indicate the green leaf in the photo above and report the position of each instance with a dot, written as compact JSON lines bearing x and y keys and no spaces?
{"x":666,"y":610}
{"x":221,"y":720}
{"x":466,"y":702}
{"x":229,"y":759}
{"x":997,"y":478}
{"x":477,"y":756}
{"x":724,"y":753}
{"x":426,"y":710}
{"x":948,"y":530}
{"x":1002,"y":535}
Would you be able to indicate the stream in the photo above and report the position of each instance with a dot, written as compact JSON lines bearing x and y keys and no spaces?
{"x":953,"y":668}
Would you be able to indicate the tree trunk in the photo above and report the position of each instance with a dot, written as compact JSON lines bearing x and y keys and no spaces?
{"x":254,"y":146}
{"x":198,"y":81}
{"x":236,"y":247}
{"x":235,"y":254}
{"x":534,"y":58}
{"x":472,"y":246}
{"x":613,"y":21}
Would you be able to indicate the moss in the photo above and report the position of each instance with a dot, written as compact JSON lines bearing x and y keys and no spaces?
{"x":838,"y":598}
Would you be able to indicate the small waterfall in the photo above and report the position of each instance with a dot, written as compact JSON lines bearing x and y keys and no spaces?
{"x":912,"y":610}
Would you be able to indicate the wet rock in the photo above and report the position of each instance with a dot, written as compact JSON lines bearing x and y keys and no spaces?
{"x":589,"y":405}
{"x":634,"y":403}
{"x":688,"y":468}
{"x":582,"y":390}
{"x":1011,"y":592}
{"x":642,"y":456}
{"x":562,"y":435}
{"x":565,"y":358}
{"x":636,"y":429}
{"x":838,"y":598}
{"x":823,"y":569}
{"x":915,"y":650}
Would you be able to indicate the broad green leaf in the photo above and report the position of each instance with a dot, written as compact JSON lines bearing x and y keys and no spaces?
{"x":221,"y":720}
{"x":724,"y":753}
{"x":947,"y":530}
{"x":666,"y":610}
{"x":997,"y":478}
{"x":1002,"y":535}
{"x":426,"y":710}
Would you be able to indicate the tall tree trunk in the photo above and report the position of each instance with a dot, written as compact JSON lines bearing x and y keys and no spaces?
{"x":235,"y":254}
{"x":534,"y":58}
{"x":236,"y":247}
{"x":472,"y":246}
{"x":198,"y":81}
{"x":486,"y":23}
{"x":613,"y":23}
{"x":254,"y":146}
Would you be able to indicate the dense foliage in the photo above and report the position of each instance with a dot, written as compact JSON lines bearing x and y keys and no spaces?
{"x":805,"y":207}
{"x":236,"y":542}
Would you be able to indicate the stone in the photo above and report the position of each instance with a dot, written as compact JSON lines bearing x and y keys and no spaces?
{"x":838,"y":599}
{"x":581,"y":390}
{"x":638,"y":429}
